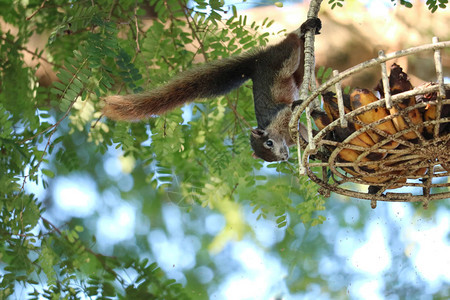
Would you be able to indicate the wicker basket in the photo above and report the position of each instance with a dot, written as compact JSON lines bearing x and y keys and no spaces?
{"x":419,"y":170}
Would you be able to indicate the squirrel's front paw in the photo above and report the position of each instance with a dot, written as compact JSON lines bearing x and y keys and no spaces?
{"x":310,"y":24}
{"x":296,"y":103}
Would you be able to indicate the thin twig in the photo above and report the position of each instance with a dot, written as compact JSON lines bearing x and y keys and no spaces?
{"x":29,"y":51}
{"x":50,"y":127}
{"x":234,"y":188}
{"x":233,"y":108}
{"x":113,"y":6}
{"x":194,"y":32}
{"x":100,"y":257}
{"x":138,"y":48}
{"x":51,"y":225}
{"x":36,"y":11}
{"x":44,"y":152}
{"x":54,"y":127}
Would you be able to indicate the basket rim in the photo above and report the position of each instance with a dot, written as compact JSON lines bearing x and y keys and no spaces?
{"x":309,"y":148}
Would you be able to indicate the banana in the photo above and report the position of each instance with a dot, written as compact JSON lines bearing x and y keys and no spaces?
{"x":430,"y":112}
{"x":390,"y":176}
{"x":322,"y":120}
{"x":330,"y":105}
{"x":399,"y":82}
{"x":373,"y":189}
{"x":384,"y":177}
{"x":421,"y":171}
{"x":429,"y":115}
{"x":400,"y":123}
{"x":364,"y":135}
{"x":342,"y":133}
{"x":362,"y":97}
{"x":331,"y":108}
{"x":400,"y":170}
{"x":331,"y":113}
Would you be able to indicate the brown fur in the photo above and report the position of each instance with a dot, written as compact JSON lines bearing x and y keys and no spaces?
{"x":280,"y":125}
{"x":203,"y":81}
{"x":276,"y":72}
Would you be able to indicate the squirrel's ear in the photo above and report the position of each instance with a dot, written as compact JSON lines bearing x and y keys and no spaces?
{"x":258,"y":133}
{"x":255,"y":156}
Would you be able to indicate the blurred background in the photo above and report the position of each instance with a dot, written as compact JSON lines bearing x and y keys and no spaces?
{"x":233,"y":249}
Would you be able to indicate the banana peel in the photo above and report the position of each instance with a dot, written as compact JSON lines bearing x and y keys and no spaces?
{"x":331,"y":108}
{"x":429,"y":113}
{"x":322,"y":120}
{"x":399,"y":83}
{"x":363,"y":97}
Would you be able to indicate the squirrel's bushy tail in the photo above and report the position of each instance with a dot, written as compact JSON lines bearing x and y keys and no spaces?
{"x":204,"y":81}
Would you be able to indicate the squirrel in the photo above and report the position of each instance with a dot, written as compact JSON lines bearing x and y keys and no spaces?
{"x":276,"y":72}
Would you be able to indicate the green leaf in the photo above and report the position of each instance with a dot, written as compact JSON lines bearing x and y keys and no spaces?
{"x":320,"y":72}
{"x":48,"y":173}
{"x":64,"y":75}
{"x":59,"y":85}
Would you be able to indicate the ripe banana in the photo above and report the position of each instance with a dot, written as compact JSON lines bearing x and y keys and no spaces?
{"x":362,"y":97}
{"x":430,"y":113}
{"x":322,"y":120}
{"x":399,"y":82}
{"x":330,"y":105}
{"x":331,"y":108}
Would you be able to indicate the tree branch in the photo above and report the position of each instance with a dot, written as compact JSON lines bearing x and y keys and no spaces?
{"x":36,"y":11}
{"x":308,"y":79}
{"x":29,"y":51}
{"x":98,"y":256}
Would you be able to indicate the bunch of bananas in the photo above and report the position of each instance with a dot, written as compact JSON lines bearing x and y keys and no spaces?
{"x":382,"y":140}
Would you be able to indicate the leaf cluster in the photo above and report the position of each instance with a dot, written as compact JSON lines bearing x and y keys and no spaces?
{"x":36,"y":127}
{"x":432,"y":5}
{"x":102,"y":49}
{"x":195,"y":156}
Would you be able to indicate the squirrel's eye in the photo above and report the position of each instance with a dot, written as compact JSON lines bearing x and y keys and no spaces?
{"x":269,"y":143}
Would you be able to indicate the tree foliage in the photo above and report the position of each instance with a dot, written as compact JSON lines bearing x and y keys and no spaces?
{"x":46,"y":132}
{"x":101,"y":49}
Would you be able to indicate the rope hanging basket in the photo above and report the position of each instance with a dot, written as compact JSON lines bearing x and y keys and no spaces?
{"x":355,"y":152}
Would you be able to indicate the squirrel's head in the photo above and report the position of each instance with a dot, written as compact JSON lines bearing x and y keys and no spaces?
{"x":268,"y":146}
